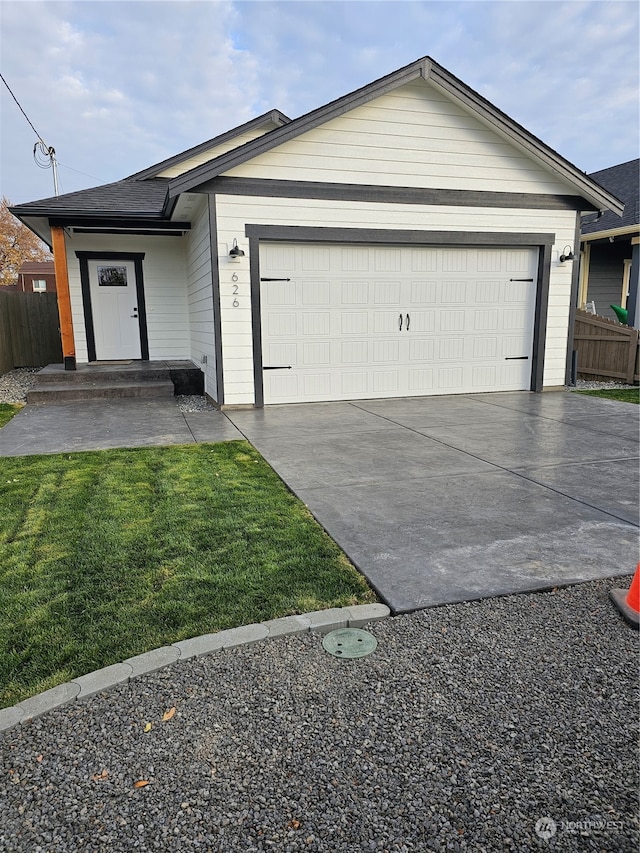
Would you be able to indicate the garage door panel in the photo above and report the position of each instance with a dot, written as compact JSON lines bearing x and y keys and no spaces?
{"x":454,"y":260}
{"x":421,"y":380}
{"x":422,"y":321}
{"x":387,"y":260}
{"x":453,"y":292}
{"x":315,"y":292}
{"x":423,"y":293}
{"x":394,"y":321}
{"x":354,"y":259}
{"x":452,"y":321}
{"x":354,"y":293}
{"x":355,"y":352}
{"x":422,"y":349}
{"x":314,"y":258}
{"x":487,"y":291}
{"x":316,"y":353}
{"x":386,"y":292}
{"x":315,"y":324}
{"x":424,"y":260}
{"x":385,"y":350}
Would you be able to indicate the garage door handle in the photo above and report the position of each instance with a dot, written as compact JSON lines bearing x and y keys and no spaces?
{"x":400,"y":322}
{"x":517,"y":358}
{"x":278,"y":367}
{"x":408,"y":322}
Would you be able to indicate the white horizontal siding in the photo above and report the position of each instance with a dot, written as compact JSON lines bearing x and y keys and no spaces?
{"x":216,"y":151}
{"x":413,"y":137}
{"x":164,"y":285}
{"x":200,"y":296}
{"x":234,"y":212}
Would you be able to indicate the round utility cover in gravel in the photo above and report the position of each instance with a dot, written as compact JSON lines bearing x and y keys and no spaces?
{"x":349,"y":643}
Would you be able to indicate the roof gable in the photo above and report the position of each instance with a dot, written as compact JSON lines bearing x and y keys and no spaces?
{"x":212,"y":148}
{"x":413,"y":137}
{"x":427,"y":70}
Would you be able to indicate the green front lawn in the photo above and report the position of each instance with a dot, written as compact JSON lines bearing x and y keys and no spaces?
{"x":625,"y":395}
{"x":7,"y":411}
{"x":105,"y":555}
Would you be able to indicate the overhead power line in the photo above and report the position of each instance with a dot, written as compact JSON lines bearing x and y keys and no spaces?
{"x":41,"y":146}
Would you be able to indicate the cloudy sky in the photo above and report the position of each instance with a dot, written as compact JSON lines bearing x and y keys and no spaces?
{"x":117,"y":86}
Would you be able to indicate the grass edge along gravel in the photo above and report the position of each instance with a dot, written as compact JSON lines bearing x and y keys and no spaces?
{"x":109,"y":554}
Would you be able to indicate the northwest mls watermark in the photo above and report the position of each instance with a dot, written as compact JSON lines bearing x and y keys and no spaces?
{"x":547,"y":827}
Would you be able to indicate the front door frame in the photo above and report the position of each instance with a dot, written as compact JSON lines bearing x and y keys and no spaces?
{"x":136,"y":258}
{"x":458,"y":239}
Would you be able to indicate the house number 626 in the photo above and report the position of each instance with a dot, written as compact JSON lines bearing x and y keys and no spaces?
{"x":235,"y":302}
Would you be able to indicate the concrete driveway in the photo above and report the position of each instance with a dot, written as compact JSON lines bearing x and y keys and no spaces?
{"x":446,"y":499}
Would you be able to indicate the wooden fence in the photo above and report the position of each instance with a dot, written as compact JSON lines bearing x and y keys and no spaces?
{"x":606,"y":349}
{"x":29,"y":330}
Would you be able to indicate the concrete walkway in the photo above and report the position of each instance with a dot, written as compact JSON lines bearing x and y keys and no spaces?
{"x":437,"y":499}
{"x":103,"y":424}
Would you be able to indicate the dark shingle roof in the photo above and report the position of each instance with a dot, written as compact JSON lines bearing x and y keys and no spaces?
{"x":624,"y":182}
{"x":131,"y":198}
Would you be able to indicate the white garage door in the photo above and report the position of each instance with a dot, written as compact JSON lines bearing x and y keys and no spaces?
{"x":346,"y":322}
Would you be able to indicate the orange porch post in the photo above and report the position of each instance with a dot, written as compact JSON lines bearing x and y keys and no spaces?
{"x":64,"y":297}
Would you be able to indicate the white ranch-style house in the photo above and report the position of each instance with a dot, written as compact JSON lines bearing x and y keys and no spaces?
{"x":408,"y":238}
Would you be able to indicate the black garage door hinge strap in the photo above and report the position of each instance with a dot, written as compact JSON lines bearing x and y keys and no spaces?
{"x":516,"y":358}
{"x":513,"y":279}
{"x":286,"y":279}
{"x":278,"y":367}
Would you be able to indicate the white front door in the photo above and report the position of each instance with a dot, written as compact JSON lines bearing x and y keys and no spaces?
{"x":114,"y":307}
{"x":345,"y":322}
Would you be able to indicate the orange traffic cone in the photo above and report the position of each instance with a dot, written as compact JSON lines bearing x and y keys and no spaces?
{"x":628,"y":600}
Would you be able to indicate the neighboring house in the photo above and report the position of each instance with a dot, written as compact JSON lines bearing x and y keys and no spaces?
{"x":401,"y":240}
{"x":37,"y":277}
{"x":608,"y":242}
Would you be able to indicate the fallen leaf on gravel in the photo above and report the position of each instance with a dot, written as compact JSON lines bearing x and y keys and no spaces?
{"x":98,"y":776}
{"x":168,"y":714}
{"x":148,"y":727}
{"x":38,"y":758}
{"x":294,"y":824}
{"x":140,"y":783}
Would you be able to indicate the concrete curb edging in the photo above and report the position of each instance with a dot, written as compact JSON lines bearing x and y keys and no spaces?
{"x":316,"y":622}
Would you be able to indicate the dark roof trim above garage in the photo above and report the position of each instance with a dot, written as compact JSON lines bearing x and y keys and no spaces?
{"x":274,"y":117}
{"x":429,"y":70}
{"x":389,"y":194}
{"x":398,"y":237}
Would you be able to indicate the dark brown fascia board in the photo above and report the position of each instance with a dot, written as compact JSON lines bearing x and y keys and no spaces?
{"x":429,"y":70}
{"x":194,"y":177}
{"x":274,"y":116}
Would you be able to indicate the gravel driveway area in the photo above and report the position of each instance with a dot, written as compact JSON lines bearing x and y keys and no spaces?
{"x":470,"y":725}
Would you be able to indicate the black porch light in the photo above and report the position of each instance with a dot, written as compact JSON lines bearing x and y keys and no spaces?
{"x":236,"y":251}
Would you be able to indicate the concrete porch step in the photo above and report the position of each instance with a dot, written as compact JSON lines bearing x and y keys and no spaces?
{"x":55,"y":374}
{"x":49,"y":392}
